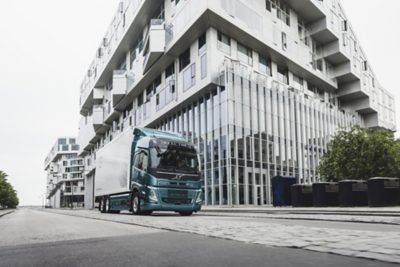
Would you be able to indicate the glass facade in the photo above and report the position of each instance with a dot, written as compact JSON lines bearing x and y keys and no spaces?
{"x":249,"y":130}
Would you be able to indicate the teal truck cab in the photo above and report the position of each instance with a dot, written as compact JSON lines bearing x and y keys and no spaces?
{"x":148,"y":171}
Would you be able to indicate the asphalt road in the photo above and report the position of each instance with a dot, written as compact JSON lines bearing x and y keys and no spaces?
{"x":35,"y":238}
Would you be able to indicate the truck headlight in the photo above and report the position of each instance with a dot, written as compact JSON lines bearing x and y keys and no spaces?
{"x":199,"y":198}
{"x":152,"y":195}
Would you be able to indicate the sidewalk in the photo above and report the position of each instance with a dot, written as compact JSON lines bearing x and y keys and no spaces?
{"x":390,"y":215}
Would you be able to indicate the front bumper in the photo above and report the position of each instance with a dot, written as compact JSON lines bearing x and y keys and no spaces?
{"x":170,"y":207}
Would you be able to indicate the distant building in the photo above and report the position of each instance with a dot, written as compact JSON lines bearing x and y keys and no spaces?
{"x":65,"y":183}
{"x":260,"y":86}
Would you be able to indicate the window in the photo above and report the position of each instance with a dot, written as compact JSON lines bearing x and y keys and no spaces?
{"x":224,"y":39}
{"x":133,"y":56}
{"x":319,"y":65}
{"x":224,"y":43}
{"x":365,"y":65}
{"x":344,"y":25}
{"x":265,"y":65}
{"x":282,"y":10}
{"x":298,"y":80}
{"x":184,"y":59}
{"x":268,"y":5}
{"x":202,"y":43}
{"x":140,"y":100}
{"x":284,"y":41}
{"x":122,"y":64}
{"x":170,"y":70}
{"x":245,"y":54}
{"x":65,"y":176}
{"x":109,"y":85}
{"x":283,"y":75}
{"x":203,"y":61}
{"x":65,"y":163}
{"x":62,"y":141}
{"x":189,"y":77}
{"x":141,"y":160}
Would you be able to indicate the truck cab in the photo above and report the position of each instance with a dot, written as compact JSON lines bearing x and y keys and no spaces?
{"x":163,"y":176}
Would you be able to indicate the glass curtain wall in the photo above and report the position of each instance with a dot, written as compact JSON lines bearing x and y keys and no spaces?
{"x":249,"y":130}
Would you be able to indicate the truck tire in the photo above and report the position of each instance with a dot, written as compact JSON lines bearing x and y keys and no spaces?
{"x":186,"y":213}
{"x":136,"y":204}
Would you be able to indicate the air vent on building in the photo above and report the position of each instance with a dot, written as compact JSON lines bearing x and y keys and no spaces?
{"x":105,"y":42}
{"x":89,"y":73}
{"x":121,"y":7}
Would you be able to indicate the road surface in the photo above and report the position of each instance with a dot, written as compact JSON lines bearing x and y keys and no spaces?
{"x":32,"y":237}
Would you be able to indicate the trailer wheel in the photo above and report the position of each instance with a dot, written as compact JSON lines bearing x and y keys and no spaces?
{"x":107,"y":205}
{"x":101,"y":208}
{"x":136,"y":204}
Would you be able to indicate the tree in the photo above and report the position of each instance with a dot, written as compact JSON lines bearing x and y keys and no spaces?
{"x":359,"y":154}
{"x":8,"y":195}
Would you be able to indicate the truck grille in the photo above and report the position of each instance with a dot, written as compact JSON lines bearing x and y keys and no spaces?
{"x":171,"y":200}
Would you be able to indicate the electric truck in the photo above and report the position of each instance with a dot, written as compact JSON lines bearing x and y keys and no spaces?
{"x":145,"y":170}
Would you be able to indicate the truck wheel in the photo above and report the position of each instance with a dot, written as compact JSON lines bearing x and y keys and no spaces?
{"x":136,"y":204}
{"x":186,"y":213}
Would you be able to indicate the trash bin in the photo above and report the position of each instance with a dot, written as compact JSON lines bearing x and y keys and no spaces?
{"x":353,"y":193}
{"x":325,"y":194}
{"x":281,"y":190}
{"x":383,"y":191}
{"x":301,"y":195}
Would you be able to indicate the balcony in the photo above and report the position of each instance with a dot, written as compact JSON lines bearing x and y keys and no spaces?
{"x":98,"y":120}
{"x":154,"y":43}
{"x":346,"y":72}
{"x":323,"y":31}
{"x":352,"y":91}
{"x":122,"y":80}
{"x":308,"y":10}
{"x":334,"y":52}
{"x":110,"y":113}
{"x":86,"y":99}
{"x":362,"y":105}
{"x":86,"y":135}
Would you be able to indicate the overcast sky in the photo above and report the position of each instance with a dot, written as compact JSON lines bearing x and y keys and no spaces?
{"x":47,"y":45}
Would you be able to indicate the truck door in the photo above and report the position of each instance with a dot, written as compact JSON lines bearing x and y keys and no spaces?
{"x":139,"y":168}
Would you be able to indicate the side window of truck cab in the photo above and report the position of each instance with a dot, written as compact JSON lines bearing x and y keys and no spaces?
{"x":141,"y":160}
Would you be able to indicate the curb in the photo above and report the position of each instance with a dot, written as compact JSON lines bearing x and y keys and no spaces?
{"x":6,"y":213}
{"x":306,"y":212}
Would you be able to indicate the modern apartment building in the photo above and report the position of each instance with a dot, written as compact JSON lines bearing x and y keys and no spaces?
{"x":260,"y":86}
{"x":65,"y":183}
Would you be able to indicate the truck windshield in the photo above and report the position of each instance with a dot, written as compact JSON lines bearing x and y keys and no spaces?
{"x":174,"y":158}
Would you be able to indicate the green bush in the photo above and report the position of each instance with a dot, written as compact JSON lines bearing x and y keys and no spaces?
{"x":359,"y":154}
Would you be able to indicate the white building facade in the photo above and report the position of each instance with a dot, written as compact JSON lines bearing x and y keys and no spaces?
{"x":260,"y":86}
{"x":65,"y":182}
